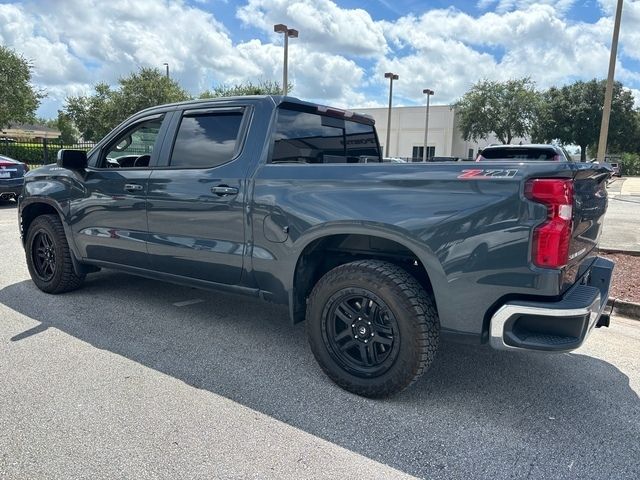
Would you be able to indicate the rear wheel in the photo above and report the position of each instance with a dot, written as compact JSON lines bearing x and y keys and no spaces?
{"x":372,"y":327}
{"x":48,"y":256}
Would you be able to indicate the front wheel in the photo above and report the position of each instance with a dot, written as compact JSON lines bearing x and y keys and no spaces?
{"x":48,"y":256}
{"x":372,"y":327}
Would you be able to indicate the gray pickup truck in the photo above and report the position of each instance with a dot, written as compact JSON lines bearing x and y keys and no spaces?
{"x":289,"y":201}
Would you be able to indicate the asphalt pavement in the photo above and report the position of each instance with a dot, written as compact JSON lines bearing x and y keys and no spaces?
{"x":134,"y":378}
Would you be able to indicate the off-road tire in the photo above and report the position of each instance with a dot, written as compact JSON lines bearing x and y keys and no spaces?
{"x":64,"y":278}
{"x":415,"y":315}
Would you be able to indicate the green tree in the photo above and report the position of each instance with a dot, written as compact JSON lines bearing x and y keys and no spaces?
{"x":68,"y":132}
{"x":63,"y":123}
{"x":506,"y":109}
{"x":97,"y":114}
{"x":19,"y":100}
{"x":572,"y":114}
{"x":266,"y":87}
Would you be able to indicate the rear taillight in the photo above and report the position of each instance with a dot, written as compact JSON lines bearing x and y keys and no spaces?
{"x":551,"y":240}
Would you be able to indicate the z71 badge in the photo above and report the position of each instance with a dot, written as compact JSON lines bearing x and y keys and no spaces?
{"x":478,"y":173}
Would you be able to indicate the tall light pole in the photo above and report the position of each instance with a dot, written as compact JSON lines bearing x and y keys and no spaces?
{"x":428,"y":93}
{"x":608,"y":93}
{"x":391,"y":77}
{"x":167,"y":66}
{"x":288,"y":33}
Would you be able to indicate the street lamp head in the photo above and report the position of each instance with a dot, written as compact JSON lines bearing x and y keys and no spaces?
{"x":165,"y":64}
{"x":427,"y":91}
{"x":292,"y":33}
{"x":390,"y":75}
{"x":280,"y":28}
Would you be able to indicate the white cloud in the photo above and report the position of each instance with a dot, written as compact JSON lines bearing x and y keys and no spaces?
{"x":75,"y":43}
{"x":508,"y":5}
{"x":322,"y":24}
{"x":340,"y":56}
{"x":446,"y":66}
{"x":44,"y":48}
{"x":636,"y":96}
{"x":314,"y":74}
{"x":536,"y":42}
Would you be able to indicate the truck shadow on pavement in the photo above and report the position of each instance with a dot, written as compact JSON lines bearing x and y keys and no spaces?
{"x":495,"y":414}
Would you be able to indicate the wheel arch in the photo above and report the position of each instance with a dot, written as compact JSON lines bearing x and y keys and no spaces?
{"x":30,"y":209}
{"x":33,"y":207}
{"x":330,"y":246}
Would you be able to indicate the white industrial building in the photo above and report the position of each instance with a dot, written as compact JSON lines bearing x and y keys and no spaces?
{"x":407,"y":132}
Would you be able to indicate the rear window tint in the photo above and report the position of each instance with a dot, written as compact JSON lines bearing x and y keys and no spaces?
{"x":303,"y":137}
{"x":519,"y":153}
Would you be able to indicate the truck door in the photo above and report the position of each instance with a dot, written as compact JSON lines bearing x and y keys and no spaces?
{"x":197,"y":195}
{"x":109,"y":221}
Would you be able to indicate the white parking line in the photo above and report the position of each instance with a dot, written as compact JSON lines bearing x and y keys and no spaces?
{"x":188,"y":302}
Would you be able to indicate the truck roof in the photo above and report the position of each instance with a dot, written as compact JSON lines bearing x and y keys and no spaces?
{"x":275,"y":100}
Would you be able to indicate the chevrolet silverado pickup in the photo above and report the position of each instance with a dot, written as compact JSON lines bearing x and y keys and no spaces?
{"x":290,"y":201}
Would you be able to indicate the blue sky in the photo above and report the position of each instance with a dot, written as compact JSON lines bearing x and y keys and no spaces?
{"x":344,"y":48}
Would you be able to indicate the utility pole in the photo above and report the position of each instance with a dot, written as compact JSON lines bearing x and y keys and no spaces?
{"x":391,"y":77}
{"x":288,"y":33}
{"x":167,"y":66}
{"x":428,"y":93}
{"x":608,"y":93}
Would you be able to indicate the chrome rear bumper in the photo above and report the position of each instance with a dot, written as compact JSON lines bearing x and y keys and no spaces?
{"x":558,"y":326}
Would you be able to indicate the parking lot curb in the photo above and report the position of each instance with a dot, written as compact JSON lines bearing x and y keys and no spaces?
{"x":635,"y":253}
{"x":624,"y":308}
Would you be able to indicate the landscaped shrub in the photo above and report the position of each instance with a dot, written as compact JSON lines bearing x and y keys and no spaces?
{"x":34,"y":153}
{"x":630,"y":164}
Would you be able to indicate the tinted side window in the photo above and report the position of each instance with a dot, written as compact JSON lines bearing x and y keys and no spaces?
{"x":303,"y":137}
{"x":206,"y":140}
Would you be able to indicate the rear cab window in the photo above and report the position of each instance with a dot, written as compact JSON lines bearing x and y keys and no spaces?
{"x":308,"y":136}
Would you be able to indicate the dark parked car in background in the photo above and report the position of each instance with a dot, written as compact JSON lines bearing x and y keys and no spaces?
{"x":535,"y":152}
{"x":11,"y":177}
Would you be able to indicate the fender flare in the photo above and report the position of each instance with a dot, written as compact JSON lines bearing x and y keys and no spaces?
{"x":393,"y":233}
{"x":26,"y":202}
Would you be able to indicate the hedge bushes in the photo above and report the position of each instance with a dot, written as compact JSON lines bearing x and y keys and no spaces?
{"x":34,"y":153}
{"x":630,"y":164}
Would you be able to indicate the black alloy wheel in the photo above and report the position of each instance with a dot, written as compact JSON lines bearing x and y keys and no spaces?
{"x":361,"y":332}
{"x":44,"y":256}
{"x":49,"y":257}
{"x":372,"y":327}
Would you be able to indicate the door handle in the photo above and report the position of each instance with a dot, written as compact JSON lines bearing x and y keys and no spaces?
{"x":223,"y":190}
{"x":132,"y":187}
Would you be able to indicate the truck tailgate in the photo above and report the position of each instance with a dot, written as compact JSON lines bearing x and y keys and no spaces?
{"x":589,"y":207}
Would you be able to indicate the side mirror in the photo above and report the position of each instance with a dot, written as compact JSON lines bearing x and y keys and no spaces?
{"x":72,"y":159}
